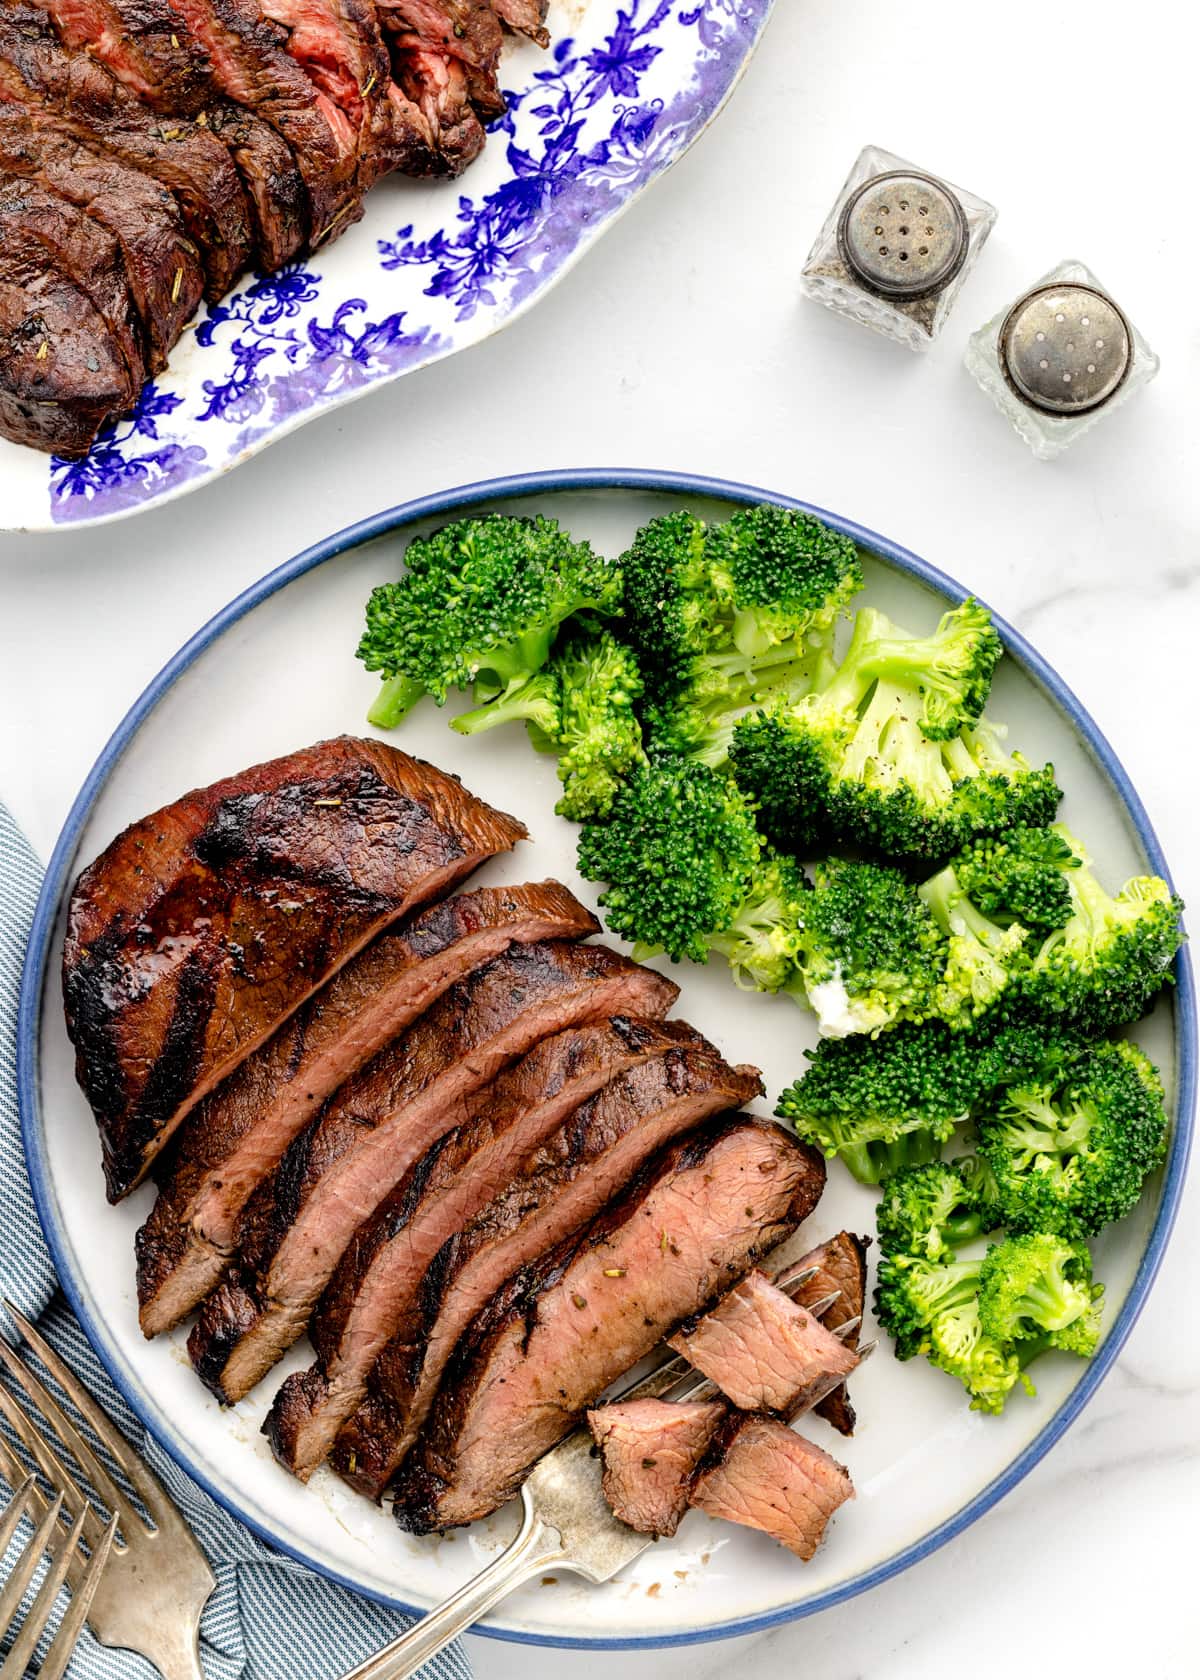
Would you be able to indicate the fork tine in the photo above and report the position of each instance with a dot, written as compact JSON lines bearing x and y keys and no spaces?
{"x":847,"y":1329}
{"x":23,"y":1571}
{"x":144,"y":1483}
{"x":795,"y":1277}
{"x":48,"y":1461}
{"x":14,"y":1511}
{"x":24,"y":1645}
{"x":63,"y":1644}
{"x":37,"y":1505}
{"x":824,"y":1304}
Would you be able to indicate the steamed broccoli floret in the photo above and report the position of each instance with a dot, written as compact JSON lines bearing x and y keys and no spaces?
{"x":929,"y":1212}
{"x":1070,"y":1153}
{"x":1103,"y":966}
{"x":724,"y":615}
{"x":480,"y":603}
{"x":890,"y":1102}
{"x":933,"y":1307}
{"x":1039,"y":1286}
{"x":582,"y":707}
{"x":891,"y":752}
{"x":688,"y":873}
{"x":869,"y":951}
{"x":1018,"y":876}
{"x":981,"y":956}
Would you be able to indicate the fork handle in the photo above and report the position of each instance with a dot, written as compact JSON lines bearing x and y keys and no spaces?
{"x":535,"y":1548}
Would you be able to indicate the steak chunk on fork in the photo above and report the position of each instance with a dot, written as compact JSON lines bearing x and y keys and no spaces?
{"x":650,"y":1450}
{"x":842,"y":1268}
{"x":759,"y":1473}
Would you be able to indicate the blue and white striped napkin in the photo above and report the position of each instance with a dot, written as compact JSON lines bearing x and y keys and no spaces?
{"x":269,"y":1618}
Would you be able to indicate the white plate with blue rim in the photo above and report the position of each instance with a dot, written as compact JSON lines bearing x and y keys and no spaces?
{"x":276,"y":670}
{"x":433,"y":267}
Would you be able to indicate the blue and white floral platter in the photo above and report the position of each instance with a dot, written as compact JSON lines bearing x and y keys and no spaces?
{"x":624,"y":90}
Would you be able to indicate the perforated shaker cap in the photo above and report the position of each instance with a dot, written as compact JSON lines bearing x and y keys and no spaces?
{"x":1065,"y":349}
{"x":903,"y":235}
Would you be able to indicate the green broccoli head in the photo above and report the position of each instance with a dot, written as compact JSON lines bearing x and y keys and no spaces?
{"x":870,"y":953}
{"x":932,"y":1307}
{"x":929,"y":1212}
{"x":582,"y":706}
{"x":880,"y":1104}
{"x":982,"y":957}
{"x":890,"y":752}
{"x":1070,"y":1153}
{"x":725,"y":616}
{"x":678,"y":853}
{"x":1102,"y":967}
{"x":479,"y":604}
{"x":1040,"y":1286}
{"x":1019,"y":877}
{"x":760,"y":942}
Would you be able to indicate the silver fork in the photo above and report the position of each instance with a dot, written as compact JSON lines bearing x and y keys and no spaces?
{"x":149,"y":1595}
{"x":48,"y":1538}
{"x":565,"y":1522}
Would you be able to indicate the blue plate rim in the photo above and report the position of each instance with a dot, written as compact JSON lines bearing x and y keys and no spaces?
{"x":504,"y":489}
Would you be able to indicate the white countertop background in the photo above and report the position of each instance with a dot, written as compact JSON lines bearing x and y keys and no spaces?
{"x":682,"y":341}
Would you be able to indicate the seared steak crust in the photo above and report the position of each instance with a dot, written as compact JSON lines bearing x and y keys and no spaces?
{"x":333,"y":1177}
{"x":236,"y":1137}
{"x":374,"y":1287}
{"x":75,"y":95}
{"x":562,"y":1186}
{"x":166,"y":280}
{"x":203,"y":926}
{"x":841,"y":1264}
{"x":650,"y":1450}
{"x":759,"y":1473}
{"x":561,"y":1329}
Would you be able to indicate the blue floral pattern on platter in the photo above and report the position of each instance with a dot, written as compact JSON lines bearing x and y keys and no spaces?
{"x":620,"y":95}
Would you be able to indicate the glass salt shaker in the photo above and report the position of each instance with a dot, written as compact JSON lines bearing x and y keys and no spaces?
{"x":1060,"y":359}
{"x":896,"y":248}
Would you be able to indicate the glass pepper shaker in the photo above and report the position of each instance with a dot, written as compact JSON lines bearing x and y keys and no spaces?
{"x":896,"y":247}
{"x":1060,"y":359}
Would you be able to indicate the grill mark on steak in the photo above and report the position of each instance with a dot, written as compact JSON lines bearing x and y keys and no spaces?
{"x":559,"y":1188}
{"x":841,"y":1264}
{"x":564,"y":1327}
{"x":760,"y":1474}
{"x":237,"y":1136}
{"x":649,"y":1452}
{"x":333,"y":1177}
{"x":375,"y":1281}
{"x":150,"y":50}
{"x":163,"y":267}
{"x":71,"y":93}
{"x":204,"y":925}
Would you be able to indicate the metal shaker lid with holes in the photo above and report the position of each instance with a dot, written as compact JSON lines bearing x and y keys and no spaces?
{"x":1065,"y":349}
{"x":903,"y":235}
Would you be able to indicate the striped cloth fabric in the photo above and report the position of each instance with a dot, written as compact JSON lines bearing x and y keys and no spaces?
{"x":269,"y":1618}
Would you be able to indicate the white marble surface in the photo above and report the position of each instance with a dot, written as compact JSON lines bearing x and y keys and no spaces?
{"x":683,"y":342}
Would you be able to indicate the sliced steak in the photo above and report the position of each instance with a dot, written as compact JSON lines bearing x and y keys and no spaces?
{"x":335,"y":1175}
{"x":61,"y":374}
{"x":527,"y":17}
{"x":150,"y":50}
{"x":558,"y":1189}
{"x":72,"y":94}
{"x":237,"y":1136}
{"x":376,"y":1282}
{"x":759,"y":1473}
{"x":202,"y":927}
{"x":766,"y":1352}
{"x":165,"y":277}
{"x":252,"y":66}
{"x":440,"y":88}
{"x":467,"y":31}
{"x":562,"y":1328}
{"x":842,"y":1265}
{"x":650,"y":1450}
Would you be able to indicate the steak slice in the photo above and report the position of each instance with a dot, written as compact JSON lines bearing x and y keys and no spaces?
{"x":333,"y":1177}
{"x":467,"y":31}
{"x":440,"y":88}
{"x":766,"y":1352}
{"x":377,"y":1279}
{"x":841,"y":1264}
{"x":252,"y":66}
{"x":650,"y":1450}
{"x":162,"y":265}
{"x":151,"y":51}
{"x":759,"y":1473}
{"x":561,"y":1329}
{"x":558,"y":1189}
{"x":73,"y":94}
{"x":61,"y":374}
{"x":237,"y":1136}
{"x":526,"y":17}
{"x":203,"y":926}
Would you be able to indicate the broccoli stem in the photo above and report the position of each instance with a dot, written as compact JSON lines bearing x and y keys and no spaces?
{"x":397,"y":695}
{"x":875,"y":1160}
{"x":511,"y":665}
{"x":529,"y":703}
